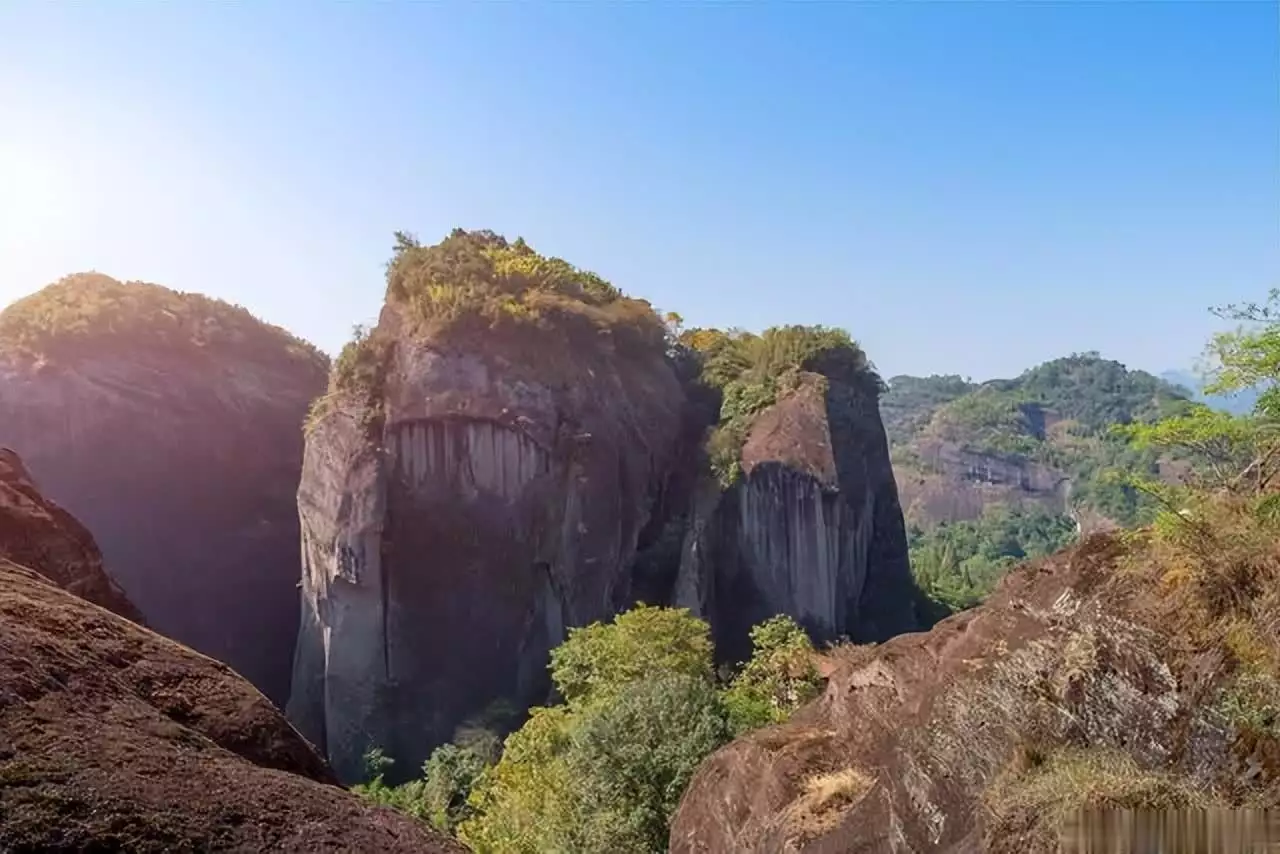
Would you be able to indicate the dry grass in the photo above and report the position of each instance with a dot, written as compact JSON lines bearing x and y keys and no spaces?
{"x":1216,"y":571}
{"x":1031,"y":803}
{"x":824,"y":800}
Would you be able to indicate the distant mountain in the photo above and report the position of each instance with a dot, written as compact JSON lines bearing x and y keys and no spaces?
{"x":990,"y":474}
{"x":1236,"y":404}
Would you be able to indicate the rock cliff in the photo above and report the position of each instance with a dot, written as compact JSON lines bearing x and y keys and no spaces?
{"x":475,"y":483}
{"x":1093,"y":679}
{"x":171,"y":425}
{"x":40,"y":535}
{"x":812,"y":527}
{"x":114,"y":738}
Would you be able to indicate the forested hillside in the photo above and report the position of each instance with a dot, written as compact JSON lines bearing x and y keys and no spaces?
{"x":995,"y":473}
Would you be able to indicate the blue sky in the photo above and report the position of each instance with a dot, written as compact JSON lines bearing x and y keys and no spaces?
{"x":968,"y":188}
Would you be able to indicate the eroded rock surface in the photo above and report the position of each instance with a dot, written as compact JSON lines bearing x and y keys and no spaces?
{"x":813,"y":529}
{"x":451,"y":537}
{"x":40,"y":535}
{"x":115,"y":738}
{"x":903,"y":750}
{"x":171,"y":426}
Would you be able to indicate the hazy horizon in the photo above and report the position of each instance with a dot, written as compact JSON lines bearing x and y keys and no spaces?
{"x":968,"y":189}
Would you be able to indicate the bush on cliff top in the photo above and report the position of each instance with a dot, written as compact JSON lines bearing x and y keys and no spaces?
{"x":751,"y":372}
{"x":88,"y":307}
{"x":534,"y":310}
{"x":479,"y":283}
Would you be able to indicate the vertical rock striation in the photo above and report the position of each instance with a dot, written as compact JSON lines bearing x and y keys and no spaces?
{"x":813,"y":528}
{"x":454,"y":529}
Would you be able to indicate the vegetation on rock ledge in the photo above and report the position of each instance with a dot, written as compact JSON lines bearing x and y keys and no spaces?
{"x":86,"y":307}
{"x":527,"y":307}
{"x":750,"y":372}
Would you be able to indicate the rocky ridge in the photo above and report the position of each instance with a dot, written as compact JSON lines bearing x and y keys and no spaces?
{"x":469,"y":502}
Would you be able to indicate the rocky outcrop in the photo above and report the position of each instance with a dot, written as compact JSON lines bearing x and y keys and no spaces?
{"x":171,"y":425}
{"x":950,"y":482}
{"x":813,"y":529}
{"x":455,"y":526}
{"x":114,"y":738}
{"x":41,"y":536}
{"x":1071,"y":686}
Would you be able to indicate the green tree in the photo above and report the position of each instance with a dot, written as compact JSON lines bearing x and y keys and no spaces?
{"x":643,"y":643}
{"x":604,"y":771}
{"x":633,"y":757}
{"x":779,"y":678}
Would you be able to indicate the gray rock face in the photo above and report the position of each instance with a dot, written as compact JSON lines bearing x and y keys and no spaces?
{"x":813,"y":529}
{"x":449,"y":542}
{"x":184,"y":465}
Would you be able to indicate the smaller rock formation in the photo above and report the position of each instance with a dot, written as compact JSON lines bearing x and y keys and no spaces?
{"x":40,"y":535}
{"x":812,"y":527}
{"x":113,"y":738}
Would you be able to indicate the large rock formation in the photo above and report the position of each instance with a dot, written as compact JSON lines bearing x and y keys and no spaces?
{"x":114,"y":738}
{"x":171,"y":425}
{"x":478,"y":491}
{"x":40,"y":535}
{"x":1099,"y":678}
{"x":812,"y":528}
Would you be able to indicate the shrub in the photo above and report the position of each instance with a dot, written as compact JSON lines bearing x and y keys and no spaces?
{"x":779,"y":678}
{"x":644,"y":643}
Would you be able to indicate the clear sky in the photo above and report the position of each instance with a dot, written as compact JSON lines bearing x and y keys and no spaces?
{"x":968,"y":188}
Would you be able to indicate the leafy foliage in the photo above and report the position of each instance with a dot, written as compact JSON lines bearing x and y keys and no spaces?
{"x":957,"y":564}
{"x":1059,"y":415}
{"x":637,"y":753}
{"x":909,"y":402}
{"x":779,"y":678}
{"x":1213,"y":545}
{"x":598,"y":660}
{"x":604,"y":771}
{"x":59,"y":319}
{"x":528,"y":308}
{"x":750,"y":372}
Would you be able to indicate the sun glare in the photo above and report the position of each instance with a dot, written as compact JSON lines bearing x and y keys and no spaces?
{"x":29,"y":194}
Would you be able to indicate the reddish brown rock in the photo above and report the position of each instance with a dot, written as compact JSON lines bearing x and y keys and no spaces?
{"x":114,"y":738}
{"x":911,"y":738}
{"x":40,"y":535}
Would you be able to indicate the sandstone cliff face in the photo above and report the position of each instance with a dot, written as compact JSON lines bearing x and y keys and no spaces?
{"x":41,"y":536}
{"x":182,"y":455}
{"x":932,"y":742}
{"x":813,"y":529}
{"x":452,"y":531}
